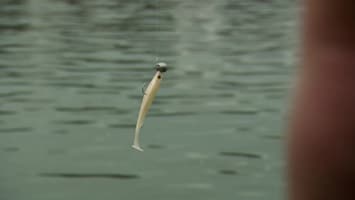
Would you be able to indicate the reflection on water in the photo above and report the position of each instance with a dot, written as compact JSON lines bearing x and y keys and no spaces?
{"x":71,"y":74}
{"x":240,"y":154}
{"x":228,"y":172}
{"x":79,"y":175}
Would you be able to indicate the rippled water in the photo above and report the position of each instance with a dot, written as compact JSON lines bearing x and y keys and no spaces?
{"x":71,"y":74}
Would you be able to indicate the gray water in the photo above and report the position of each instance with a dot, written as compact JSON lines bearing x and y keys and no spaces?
{"x":71,"y":74}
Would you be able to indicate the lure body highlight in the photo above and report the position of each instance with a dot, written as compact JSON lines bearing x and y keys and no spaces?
{"x":149,"y":95}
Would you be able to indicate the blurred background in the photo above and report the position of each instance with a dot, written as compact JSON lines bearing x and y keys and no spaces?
{"x":71,"y":74}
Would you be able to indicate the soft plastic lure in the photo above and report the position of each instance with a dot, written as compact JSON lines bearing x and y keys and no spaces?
{"x":149,"y":94}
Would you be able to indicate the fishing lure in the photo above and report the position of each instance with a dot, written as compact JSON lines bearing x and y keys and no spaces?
{"x":149,"y":94}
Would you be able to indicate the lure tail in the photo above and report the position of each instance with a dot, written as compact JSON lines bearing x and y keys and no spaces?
{"x":137,"y":147}
{"x":136,"y":141}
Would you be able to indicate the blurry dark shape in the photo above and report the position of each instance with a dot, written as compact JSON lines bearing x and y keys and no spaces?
{"x":12,"y":2}
{"x":16,"y":130}
{"x":7,"y":112}
{"x":71,"y":85}
{"x":243,"y":129}
{"x":271,"y":110}
{"x":12,"y":74}
{"x":129,"y":126}
{"x":239,"y":112}
{"x":86,"y":109}
{"x":90,"y":175}
{"x":14,"y":27}
{"x":11,"y":149}
{"x":73,"y":2}
{"x":75,"y":122}
{"x":273,"y":137}
{"x":28,"y":100}
{"x":15,"y":93}
{"x":321,"y":140}
{"x":228,"y":172}
{"x":149,"y":5}
{"x":241,"y":154}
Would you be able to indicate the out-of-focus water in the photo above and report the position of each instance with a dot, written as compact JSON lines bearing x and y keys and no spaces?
{"x":71,"y":74}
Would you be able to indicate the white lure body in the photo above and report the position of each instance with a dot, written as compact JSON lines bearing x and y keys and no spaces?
{"x":149,"y":95}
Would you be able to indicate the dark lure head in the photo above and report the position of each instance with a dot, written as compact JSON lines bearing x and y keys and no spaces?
{"x":162,"y":67}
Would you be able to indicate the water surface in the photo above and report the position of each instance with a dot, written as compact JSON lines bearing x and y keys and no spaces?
{"x":71,"y":74}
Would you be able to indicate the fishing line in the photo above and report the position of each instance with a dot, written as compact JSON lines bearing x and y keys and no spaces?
{"x":158,"y":30}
